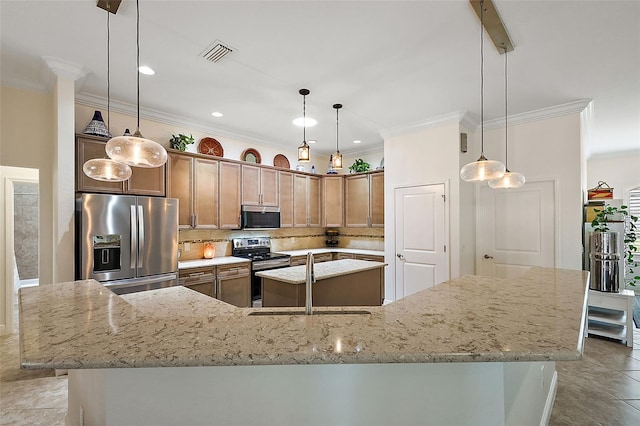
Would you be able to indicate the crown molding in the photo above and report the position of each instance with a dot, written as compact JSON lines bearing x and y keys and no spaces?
{"x":540,"y":114}
{"x":62,"y":68}
{"x":614,"y":154}
{"x":170,"y":119}
{"x":453,"y":117}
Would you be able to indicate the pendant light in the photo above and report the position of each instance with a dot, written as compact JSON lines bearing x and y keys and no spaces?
{"x":104,"y":169}
{"x":136,"y":150}
{"x":482,"y":169}
{"x":304,"y":152}
{"x":509,"y":179}
{"x":336,"y":159}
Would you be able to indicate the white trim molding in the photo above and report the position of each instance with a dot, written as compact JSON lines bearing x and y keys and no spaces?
{"x":437,"y":121}
{"x":540,"y":114}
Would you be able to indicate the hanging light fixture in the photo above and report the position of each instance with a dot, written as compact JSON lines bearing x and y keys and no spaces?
{"x":104,"y":169}
{"x":336,"y":159}
{"x":509,"y":179}
{"x":482,"y":169}
{"x":304,"y":152}
{"x":136,"y":150}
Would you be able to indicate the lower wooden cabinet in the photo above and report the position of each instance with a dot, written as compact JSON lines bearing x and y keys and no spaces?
{"x":229,"y":283}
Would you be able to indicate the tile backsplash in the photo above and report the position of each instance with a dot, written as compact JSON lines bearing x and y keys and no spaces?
{"x":191,"y":241}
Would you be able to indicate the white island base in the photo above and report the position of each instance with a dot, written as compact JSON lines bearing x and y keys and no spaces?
{"x":464,"y":393}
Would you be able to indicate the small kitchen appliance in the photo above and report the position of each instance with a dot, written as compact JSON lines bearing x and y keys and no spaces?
{"x":258,"y":250}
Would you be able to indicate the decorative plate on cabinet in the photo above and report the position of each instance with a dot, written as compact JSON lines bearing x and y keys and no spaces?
{"x":251,"y":155}
{"x":210,"y":146}
{"x":281,"y":161}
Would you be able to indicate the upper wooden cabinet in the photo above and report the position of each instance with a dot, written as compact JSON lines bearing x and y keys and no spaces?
{"x":306,"y":201}
{"x":286,"y":199}
{"x":143,"y":181}
{"x":230,"y":198}
{"x":364,"y":200}
{"x":194,"y":181}
{"x":259,"y":186}
{"x":333,"y":201}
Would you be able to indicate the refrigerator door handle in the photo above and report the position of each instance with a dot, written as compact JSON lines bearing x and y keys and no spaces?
{"x":140,"y":234}
{"x":134,"y":237}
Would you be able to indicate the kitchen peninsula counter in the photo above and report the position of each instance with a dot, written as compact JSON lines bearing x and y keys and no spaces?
{"x":467,"y":332}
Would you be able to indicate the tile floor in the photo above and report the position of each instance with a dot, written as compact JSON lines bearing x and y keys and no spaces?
{"x":601,"y":389}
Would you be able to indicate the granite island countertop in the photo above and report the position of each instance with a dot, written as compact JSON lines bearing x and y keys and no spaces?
{"x":322,"y":271}
{"x":535,"y":317}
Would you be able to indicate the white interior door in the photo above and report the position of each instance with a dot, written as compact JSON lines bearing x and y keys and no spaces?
{"x":515,"y":229}
{"x":421,"y":257}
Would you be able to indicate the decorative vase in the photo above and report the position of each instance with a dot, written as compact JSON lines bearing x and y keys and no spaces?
{"x":97,"y":127}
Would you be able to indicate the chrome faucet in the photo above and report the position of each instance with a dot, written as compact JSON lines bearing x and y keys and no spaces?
{"x":311,"y":278}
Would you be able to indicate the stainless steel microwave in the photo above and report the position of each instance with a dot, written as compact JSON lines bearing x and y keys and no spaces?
{"x":260,"y":217}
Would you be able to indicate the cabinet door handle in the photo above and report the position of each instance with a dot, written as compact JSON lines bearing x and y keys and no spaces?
{"x":195,"y":220}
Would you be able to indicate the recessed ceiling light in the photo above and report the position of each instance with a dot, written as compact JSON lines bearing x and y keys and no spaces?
{"x":146,"y":70}
{"x":312,"y":141}
{"x":305,"y":122}
{"x":217,"y":114}
{"x":357,"y":141}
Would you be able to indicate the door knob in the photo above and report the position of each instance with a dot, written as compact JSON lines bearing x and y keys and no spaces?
{"x":486,"y":256}
{"x":401,"y":257}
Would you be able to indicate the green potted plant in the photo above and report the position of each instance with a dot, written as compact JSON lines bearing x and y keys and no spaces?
{"x":601,"y":224}
{"x":181,"y":141}
{"x":359,"y":166}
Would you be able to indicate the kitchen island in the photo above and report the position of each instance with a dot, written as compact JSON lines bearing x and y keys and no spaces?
{"x":473,"y":350}
{"x":345,"y":282}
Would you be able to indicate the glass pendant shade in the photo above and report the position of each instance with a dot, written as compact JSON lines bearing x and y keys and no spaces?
{"x":136,"y":151}
{"x":508,"y":180}
{"x":106,"y":170}
{"x":482,"y":170}
{"x":303,"y":152}
{"x":336,"y":160}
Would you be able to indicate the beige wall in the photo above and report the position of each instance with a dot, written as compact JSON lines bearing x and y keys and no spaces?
{"x":26,"y":140}
{"x":423,"y":157}
{"x":550,"y":149}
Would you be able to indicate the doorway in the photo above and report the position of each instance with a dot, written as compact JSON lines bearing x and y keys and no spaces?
{"x":421,"y":239}
{"x":516,"y":229}
{"x":20,"y":197}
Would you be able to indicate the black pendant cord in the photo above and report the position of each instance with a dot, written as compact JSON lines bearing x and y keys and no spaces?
{"x":138,"y":57}
{"x":337,"y":149}
{"x":506,"y":109}
{"x":482,"y":79}
{"x":304,"y":119}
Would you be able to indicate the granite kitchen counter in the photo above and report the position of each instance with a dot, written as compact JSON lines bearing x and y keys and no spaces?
{"x":322,"y":271}
{"x":198,"y":263}
{"x":82,"y":325}
{"x":333,"y":250}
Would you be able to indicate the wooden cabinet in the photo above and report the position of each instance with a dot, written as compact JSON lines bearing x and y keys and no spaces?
{"x":317,"y":258}
{"x":306,"y":201}
{"x":229,"y":283}
{"x":368,"y":257}
{"x":143,"y":181}
{"x":286,"y":199}
{"x":201,"y":280}
{"x":340,"y":256}
{"x":233,"y":284}
{"x":230,"y":180}
{"x":194,"y":181}
{"x":364,"y":200}
{"x":259,"y":186}
{"x":333,"y":201}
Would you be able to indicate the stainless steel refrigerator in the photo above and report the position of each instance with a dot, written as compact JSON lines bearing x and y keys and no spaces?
{"x":128,"y":243}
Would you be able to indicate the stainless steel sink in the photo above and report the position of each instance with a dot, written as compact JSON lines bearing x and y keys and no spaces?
{"x":315,"y":312}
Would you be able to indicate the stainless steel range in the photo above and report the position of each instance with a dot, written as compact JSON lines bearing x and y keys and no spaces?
{"x":258,"y":250}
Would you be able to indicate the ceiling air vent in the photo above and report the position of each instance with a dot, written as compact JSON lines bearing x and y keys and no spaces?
{"x":216,"y":51}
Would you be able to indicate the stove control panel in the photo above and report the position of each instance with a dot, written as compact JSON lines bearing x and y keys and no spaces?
{"x":250,"y":243}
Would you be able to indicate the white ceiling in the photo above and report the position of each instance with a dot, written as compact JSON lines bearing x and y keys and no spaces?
{"x":390,"y":63}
